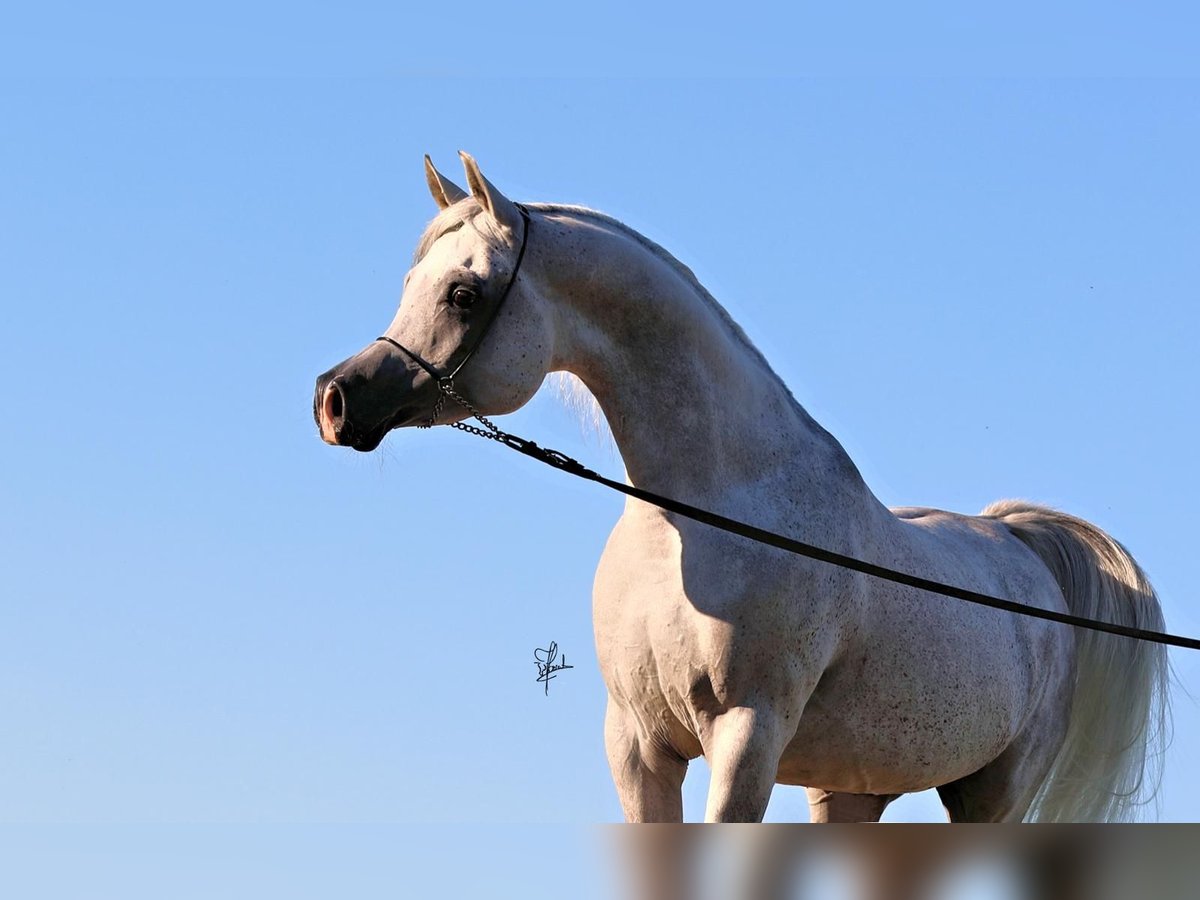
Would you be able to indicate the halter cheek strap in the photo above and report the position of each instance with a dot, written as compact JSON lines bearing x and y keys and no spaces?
{"x":445,"y":382}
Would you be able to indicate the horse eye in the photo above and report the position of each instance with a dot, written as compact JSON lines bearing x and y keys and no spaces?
{"x":462,"y":297}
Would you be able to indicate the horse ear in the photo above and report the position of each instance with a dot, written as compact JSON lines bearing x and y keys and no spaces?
{"x":503,"y":210}
{"x":445,"y":192}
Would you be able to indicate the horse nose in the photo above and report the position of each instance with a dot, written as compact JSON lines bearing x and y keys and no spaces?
{"x":332,"y":413}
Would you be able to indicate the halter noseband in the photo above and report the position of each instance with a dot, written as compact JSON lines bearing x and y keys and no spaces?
{"x":445,"y":383}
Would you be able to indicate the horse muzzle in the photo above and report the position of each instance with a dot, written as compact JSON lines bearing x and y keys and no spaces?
{"x":357,"y":402}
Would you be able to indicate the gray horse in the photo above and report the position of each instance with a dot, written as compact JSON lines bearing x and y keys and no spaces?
{"x":774,"y":668}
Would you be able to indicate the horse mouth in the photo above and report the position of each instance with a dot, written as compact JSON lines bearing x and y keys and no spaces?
{"x":367,"y":444}
{"x":369,"y":440}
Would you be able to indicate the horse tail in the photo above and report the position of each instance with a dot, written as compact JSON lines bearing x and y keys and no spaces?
{"x":1110,"y":763}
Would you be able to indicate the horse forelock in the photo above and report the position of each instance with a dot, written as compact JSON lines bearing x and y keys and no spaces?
{"x":449,"y":219}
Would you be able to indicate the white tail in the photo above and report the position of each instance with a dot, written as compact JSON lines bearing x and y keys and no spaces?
{"x":1111,"y":761}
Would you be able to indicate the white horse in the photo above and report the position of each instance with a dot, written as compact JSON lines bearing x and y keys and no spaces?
{"x":775,"y":668}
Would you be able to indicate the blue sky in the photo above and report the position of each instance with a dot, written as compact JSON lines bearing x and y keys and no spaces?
{"x":989,"y":285}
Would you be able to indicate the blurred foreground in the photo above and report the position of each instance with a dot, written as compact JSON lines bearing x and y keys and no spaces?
{"x":300,"y":861}
{"x":906,"y":862}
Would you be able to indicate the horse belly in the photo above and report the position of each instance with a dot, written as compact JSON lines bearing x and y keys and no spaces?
{"x":886,"y":724}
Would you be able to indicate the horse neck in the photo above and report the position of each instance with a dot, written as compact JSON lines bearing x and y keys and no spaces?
{"x":694,"y":409}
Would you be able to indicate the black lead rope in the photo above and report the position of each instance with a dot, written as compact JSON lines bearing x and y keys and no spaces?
{"x":564,"y":463}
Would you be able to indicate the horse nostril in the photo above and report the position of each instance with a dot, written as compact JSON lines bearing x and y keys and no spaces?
{"x":333,"y":412}
{"x":335,"y":401}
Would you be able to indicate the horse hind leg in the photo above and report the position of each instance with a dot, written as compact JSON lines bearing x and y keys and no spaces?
{"x":828,"y":807}
{"x":985,"y":796}
{"x":1004,"y":789}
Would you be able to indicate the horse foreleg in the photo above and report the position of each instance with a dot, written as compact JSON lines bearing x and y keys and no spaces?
{"x":830,"y":806}
{"x":744,"y":756}
{"x":648,"y":777}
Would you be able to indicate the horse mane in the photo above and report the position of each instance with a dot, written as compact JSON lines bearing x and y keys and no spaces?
{"x":683,"y":270}
{"x":569,"y":389}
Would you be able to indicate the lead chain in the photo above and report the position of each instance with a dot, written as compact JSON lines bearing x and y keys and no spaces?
{"x":437,"y":410}
{"x":446,"y":389}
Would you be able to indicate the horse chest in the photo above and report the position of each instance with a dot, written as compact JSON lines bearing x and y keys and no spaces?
{"x":677,"y":629}
{"x":646,"y":635}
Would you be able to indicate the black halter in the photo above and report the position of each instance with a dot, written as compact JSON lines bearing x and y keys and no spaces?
{"x":445,"y":382}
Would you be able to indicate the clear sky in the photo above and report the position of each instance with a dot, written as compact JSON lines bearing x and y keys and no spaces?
{"x":976,"y":265}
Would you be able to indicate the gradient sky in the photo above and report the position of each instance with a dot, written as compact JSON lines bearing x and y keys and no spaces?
{"x":988,"y":289}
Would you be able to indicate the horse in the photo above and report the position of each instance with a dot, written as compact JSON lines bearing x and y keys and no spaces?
{"x":775,"y":668}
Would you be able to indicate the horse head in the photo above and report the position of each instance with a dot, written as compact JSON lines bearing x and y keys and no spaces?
{"x":467,"y":282}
